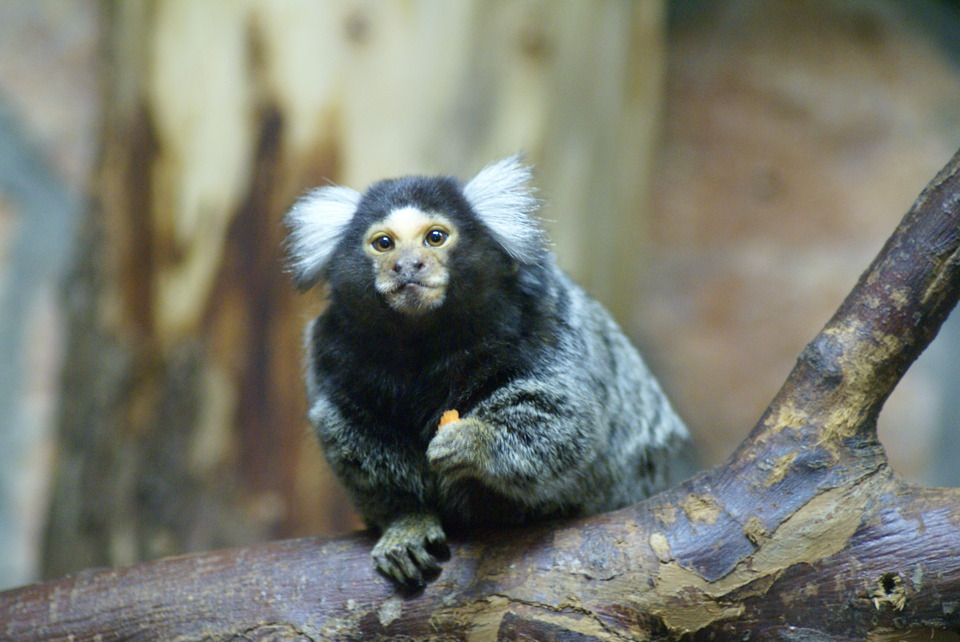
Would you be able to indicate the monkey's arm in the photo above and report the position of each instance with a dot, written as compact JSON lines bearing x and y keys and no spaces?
{"x":387,"y":488}
{"x":530,"y":440}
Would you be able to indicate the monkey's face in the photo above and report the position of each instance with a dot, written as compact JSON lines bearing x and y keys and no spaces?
{"x":410,"y":253}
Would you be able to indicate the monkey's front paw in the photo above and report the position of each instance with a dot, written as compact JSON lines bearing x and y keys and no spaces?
{"x":410,"y":548}
{"x":460,"y":449}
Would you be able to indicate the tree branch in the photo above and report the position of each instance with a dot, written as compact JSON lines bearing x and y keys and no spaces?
{"x":804,"y":533}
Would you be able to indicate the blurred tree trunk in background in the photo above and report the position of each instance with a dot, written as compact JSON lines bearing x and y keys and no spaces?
{"x":182,"y":422}
{"x":790,"y":128}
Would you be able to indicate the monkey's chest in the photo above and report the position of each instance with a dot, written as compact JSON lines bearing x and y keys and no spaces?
{"x":401,"y":400}
{"x":401,"y":393}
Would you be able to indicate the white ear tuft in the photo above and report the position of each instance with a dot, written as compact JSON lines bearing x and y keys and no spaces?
{"x":316,"y":223}
{"x":504,"y":201}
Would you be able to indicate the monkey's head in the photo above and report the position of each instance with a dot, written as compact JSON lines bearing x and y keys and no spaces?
{"x":412,"y":243}
{"x":411,"y":251}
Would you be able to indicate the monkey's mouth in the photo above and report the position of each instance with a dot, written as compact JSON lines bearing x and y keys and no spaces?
{"x":414,"y":296}
{"x":414,"y":285}
{"x":411,"y":289}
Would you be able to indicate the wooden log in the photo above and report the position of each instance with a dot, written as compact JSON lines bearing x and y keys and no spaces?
{"x":848,"y":563}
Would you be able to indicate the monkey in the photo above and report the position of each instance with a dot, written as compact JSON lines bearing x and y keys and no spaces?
{"x":443,"y":295}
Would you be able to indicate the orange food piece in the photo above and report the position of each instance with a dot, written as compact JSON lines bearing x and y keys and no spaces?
{"x":448,"y":417}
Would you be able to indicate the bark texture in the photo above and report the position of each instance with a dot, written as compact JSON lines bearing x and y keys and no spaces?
{"x":804,"y":533}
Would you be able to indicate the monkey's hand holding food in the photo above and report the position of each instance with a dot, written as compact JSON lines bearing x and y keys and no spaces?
{"x":410,"y":549}
{"x":461,"y":449}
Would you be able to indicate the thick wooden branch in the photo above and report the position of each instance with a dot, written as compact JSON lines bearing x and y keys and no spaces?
{"x":804,"y":533}
{"x":870,"y":557}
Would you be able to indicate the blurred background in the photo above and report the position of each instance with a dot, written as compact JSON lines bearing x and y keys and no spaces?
{"x":717,"y":172}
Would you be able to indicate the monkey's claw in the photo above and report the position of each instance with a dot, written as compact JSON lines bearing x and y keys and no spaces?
{"x":410,"y":549}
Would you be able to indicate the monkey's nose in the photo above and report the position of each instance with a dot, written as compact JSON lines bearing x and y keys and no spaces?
{"x":409,"y":265}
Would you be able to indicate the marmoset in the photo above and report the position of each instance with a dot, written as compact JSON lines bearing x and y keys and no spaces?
{"x":444,"y":296}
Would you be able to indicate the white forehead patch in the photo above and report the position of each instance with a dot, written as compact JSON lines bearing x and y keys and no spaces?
{"x":408,"y":224}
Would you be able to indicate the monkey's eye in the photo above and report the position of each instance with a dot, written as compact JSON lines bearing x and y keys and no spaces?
{"x":382,"y":243}
{"x":435,"y":238}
